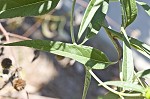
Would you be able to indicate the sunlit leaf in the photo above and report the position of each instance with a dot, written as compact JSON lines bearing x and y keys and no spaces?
{"x":145,"y":6}
{"x":95,"y":24}
{"x":127,"y":61}
{"x":17,"y":8}
{"x":93,"y":9}
{"x":123,"y":84}
{"x":143,"y":73}
{"x":138,"y":45}
{"x":129,"y":12}
{"x":111,"y":95}
{"x":115,"y":43}
{"x":86,"y":82}
{"x":86,"y":55}
{"x":141,"y":47}
{"x":113,"y":0}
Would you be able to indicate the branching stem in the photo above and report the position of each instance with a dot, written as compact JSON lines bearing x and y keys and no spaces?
{"x":112,"y":90}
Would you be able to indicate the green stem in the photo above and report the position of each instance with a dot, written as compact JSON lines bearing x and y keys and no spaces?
{"x":139,"y":80}
{"x":84,"y":41}
{"x":71,"y":22}
{"x":112,"y":90}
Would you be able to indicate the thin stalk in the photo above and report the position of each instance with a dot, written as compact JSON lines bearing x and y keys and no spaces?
{"x":112,"y":90}
{"x":121,"y":97}
{"x":139,"y":80}
{"x":4,"y":32}
{"x":84,"y":41}
{"x":71,"y":22}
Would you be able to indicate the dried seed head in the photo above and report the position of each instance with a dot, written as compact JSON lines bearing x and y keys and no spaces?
{"x":6,"y":63}
{"x":5,"y":71}
{"x":3,"y":38}
{"x":19,"y":84}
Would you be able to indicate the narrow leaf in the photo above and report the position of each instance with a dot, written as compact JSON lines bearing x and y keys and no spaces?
{"x":138,"y":45}
{"x":93,"y":6}
{"x":127,"y":62}
{"x":95,"y":24}
{"x":116,"y":44}
{"x":129,"y":12}
{"x":145,"y":6}
{"x":86,"y":55}
{"x":143,"y":73}
{"x":113,"y":0}
{"x":113,"y":39}
{"x":136,"y":97}
{"x":141,"y":47}
{"x":111,"y":95}
{"x":17,"y":8}
{"x":128,"y":85}
{"x":86,"y":82}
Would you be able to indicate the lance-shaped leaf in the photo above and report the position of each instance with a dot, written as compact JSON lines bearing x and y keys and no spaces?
{"x":113,"y":39}
{"x":143,"y":73}
{"x":141,"y":47}
{"x":86,"y":82}
{"x":129,"y":12}
{"x":17,"y":8}
{"x":128,"y":85}
{"x":145,"y":6}
{"x":90,"y":12}
{"x":111,"y":95}
{"x":98,"y":19}
{"x":138,"y":45}
{"x":113,"y":0}
{"x":127,"y":61}
{"x":86,"y":55}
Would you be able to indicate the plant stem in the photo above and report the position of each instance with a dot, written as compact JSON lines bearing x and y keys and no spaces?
{"x":18,"y":36}
{"x":33,"y":28}
{"x":2,"y":29}
{"x":112,"y":90}
{"x":139,"y":80}
{"x":71,"y":22}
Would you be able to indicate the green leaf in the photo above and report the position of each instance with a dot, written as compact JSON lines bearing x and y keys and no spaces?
{"x":113,"y":39}
{"x":138,"y":45}
{"x":143,"y":73}
{"x":95,"y":24}
{"x":127,"y":61}
{"x":129,"y":12}
{"x":113,"y":0}
{"x":86,"y":82}
{"x":86,"y":55}
{"x":128,"y":85}
{"x":111,"y":95}
{"x":90,"y":12}
{"x":145,"y":6}
{"x":141,"y":47}
{"x":116,"y":44}
{"x":17,"y":8}
{"x":136,"y":97}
